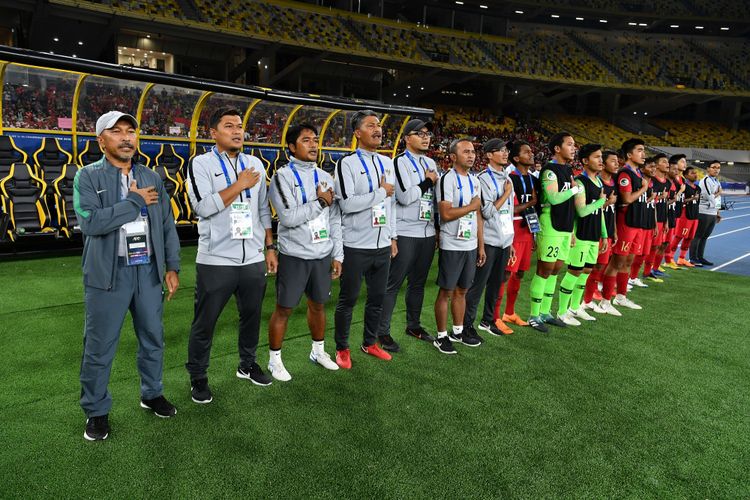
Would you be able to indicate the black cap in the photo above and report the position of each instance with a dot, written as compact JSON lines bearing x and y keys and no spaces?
{"x":493,"y":145}
{"x":416,"y":125}
{"x":675,"y":158}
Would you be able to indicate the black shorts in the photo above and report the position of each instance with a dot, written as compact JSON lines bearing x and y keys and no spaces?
{"x":456,"y":268}
{"x":296,"y":276}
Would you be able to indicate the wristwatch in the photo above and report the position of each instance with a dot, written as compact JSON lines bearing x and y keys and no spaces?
{"x":272,"y":246}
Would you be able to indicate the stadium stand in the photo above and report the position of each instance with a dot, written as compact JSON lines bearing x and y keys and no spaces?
{"x":704,"y":134}
{"x":596,"y":57}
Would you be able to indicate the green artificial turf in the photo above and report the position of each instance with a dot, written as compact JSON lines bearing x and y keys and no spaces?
{"x":654,"y":404}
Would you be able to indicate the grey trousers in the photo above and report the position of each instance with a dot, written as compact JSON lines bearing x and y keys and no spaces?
{"x":413,"y":260}
{"x":488,"y":280}
{"x":138,"y":290}
{"x":214,"y":285}
{"x":706,"y":224}
{"x":373,"y":266}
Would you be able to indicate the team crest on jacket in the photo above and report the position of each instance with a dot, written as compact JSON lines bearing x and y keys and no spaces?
{"x":624,"y":181}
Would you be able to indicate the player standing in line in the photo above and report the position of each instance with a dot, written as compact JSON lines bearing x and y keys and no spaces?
{"x":648,"y":226}
{"x":688,"y":223}
{"x":661,"y":186}
{"x":677,"y":165}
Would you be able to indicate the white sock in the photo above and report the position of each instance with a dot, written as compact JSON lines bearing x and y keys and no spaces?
{"x":275,"y":356}
{"x":317,"y":346}
{"x":442,"y":334}
{"x":457,"y":330}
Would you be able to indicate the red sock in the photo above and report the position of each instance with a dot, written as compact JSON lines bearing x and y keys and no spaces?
{"x":657,"y":260}
{"x":500,"y":293}
{"x":514,"y":285}
{"x":648,"y":262}
{"x":636,"y":266}
{"x":608,"y":290}
{"x":684,"y":249}
{"x":591,"y":285}
{"x":622,"y":283}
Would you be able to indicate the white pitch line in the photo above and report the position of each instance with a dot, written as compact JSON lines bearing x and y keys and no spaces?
{"x":735,"y":217}
{"x":731,"y":262}
{"x":728,"y":232}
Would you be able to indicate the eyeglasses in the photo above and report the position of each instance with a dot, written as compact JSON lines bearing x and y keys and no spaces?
{"x":422,"y":135}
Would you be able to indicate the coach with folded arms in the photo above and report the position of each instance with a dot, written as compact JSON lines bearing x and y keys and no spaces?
{"x":130,"y":249}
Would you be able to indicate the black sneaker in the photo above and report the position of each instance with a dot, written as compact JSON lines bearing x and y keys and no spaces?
{"x":254,"y":374}
{"x":537,"y":324}
{"x":444,"y":345}
{"x":491,"y":328}
{"x":160,"y":406}
{"x":200,"y":392}
{"x":706,"y":262}
{"x":421,"y":334}
{"x":551,"y":320}
{"x":696,"y":263}
{"x":471,"y":332}
{"x":388,"y":344}
{"x":97,"y":428}
{"x":464,"y":338}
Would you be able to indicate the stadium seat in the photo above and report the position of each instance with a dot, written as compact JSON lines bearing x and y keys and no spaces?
{"x":10,"y":154}
{"x":142,"y":158}
{"x":25,"y":191}
{"x":91,"y":153}
{"x":270,"y":160}
{"x":50,"y":158}
{"x":327,"y":162}
{"x":168,"y":164}
{"x":63,"y":194}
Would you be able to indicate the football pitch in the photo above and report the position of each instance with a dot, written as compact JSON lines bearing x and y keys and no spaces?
{"x":653,"y":404}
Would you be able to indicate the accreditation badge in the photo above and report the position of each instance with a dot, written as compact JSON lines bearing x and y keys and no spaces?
{"x":379,"y":218}
{"x":241,"y":221}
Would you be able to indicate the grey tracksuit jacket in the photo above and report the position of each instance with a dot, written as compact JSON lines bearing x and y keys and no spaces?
{"x":411,"y":185}
{"x":215,"y":244}
{"x":357,"y":196}
{"x":294,"y":212}
{"x":493,"y":231}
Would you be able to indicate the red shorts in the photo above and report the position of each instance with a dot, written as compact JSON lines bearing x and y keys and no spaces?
{"x":661,"y":235}
{"x":629,"y":239}
{"x":522,"y":261}
{"x":670,"y":236}
{"x":686,"y":228}
{"x":604,"y":257}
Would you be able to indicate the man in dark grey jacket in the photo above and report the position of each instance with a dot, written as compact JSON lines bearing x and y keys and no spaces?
{"x":130,"y":248}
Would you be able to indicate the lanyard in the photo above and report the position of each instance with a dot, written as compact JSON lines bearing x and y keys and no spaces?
{"x":414,"y":164}
{"x":460,"y":191}
{"x":636,"y":172}
{"x":523,"y":181}
{"x":299,"y":180}
{"x":497,"y":188}
{"x":367,"y":170}
{"x":224,"y":169}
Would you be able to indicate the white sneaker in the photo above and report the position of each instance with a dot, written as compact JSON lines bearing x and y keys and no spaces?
{"x":278,"y":371}
{"x":581,"y":313}
{"x":621,"y":300}
{"x":324,"y":360}
{"x":568,"y":319}
{"x":594,"y":307}
{"x":637,"y":282}
{"x":607,"y":307}
{"x":630,"y":287}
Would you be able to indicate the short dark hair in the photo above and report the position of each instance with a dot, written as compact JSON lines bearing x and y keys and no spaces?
{"x":587,"y":150}
{"x":713,"y":162}
{"x":675,"y":158}
{"x":217,"y":115}
{"x":515,"y":148}
{"x":658,"y":156}
{"x":607,"y":153}
{"x":629,"y":145}
{"x":557,"y":140}
{"x":294,"y":132}
{"x":359,"y":116}
{"x":453,"y":148}
{"x":688,"y":169}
